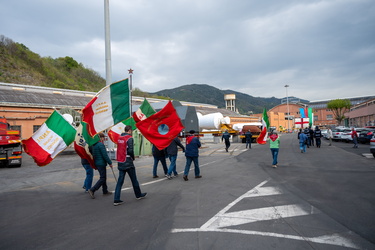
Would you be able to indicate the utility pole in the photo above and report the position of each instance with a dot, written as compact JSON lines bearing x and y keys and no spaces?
{"x":108,"y":67}
{"x":287,"y":104}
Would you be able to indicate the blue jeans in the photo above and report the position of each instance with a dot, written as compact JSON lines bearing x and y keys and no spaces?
{"x":102,"y":182}
{"x":89,"y":176}
{"x":163,"y":163}
{"x":248,"y":143}
{"x":196,"y":165}
{"x":274,"y":152}
{"x":302,"y":146}
{"x":172,"y":166}
{"x":133,"y":177}
{"x":355,"y":141}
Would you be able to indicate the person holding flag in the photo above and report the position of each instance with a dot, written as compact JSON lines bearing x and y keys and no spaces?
{"x":274,"y":146}
{"x":125,"y":158}
{"x":101,"y":160}
{"x":82,"y":143}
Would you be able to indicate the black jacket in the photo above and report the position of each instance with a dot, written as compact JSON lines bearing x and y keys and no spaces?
{"x":172,"y":148}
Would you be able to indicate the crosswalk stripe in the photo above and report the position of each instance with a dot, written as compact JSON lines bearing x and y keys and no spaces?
{"x":259,"y":214}
{"x":223,"y":219}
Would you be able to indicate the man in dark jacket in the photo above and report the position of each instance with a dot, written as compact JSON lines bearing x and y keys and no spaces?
{"x":306,"y":131}
{"x":101,"y":160}
{"x":317,"y":136}
{"x":159,"y":155}
{"x":311,"y":136}
{"x":248,"y":138}
{"x":226,"y":137}
{"x":172,"y":154}
{"x":125,"y":158}
{"x":192,"y":153}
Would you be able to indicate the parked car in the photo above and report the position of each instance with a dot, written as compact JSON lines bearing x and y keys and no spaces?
{"x":372,"y":145}
{"x":346,"y":135}
{"x":324,"y":133}
{"x":336,"y":133}
{"x":366,"y":135}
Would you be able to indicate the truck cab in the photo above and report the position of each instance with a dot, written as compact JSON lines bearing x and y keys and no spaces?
{"x":10,"y":146}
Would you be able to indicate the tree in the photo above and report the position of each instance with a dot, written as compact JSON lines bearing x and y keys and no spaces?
{"x":339,"y":108}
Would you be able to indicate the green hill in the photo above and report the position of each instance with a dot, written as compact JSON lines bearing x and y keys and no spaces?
{"x":20,"y":65}
{"x":203,"y":93}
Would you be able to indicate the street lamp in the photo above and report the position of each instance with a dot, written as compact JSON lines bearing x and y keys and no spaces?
{"x":287,"y":103}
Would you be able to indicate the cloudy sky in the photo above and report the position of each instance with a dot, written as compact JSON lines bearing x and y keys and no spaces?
{"x":323,"y":49}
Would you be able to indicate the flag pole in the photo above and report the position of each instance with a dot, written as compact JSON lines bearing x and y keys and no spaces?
{"x":131,"y":91}
{"x":114,"y":174}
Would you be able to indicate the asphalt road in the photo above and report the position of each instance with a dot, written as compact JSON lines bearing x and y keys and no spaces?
{"x":323,"y":199}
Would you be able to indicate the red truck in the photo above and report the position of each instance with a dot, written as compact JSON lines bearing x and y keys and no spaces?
{"x":10,"y":145}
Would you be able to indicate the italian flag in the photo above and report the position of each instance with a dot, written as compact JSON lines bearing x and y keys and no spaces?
{"x":110,"y":106}
{"x":82,"y":142}
{"x":265,"y":125}
{"x":144,"y":111}
{"x":119,"y":128}
{"x":55,"y":135}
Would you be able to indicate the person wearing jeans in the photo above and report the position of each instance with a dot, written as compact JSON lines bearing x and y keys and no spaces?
{"x":274,"y":146}
{"x":89,"y":174}
{"x":172,"y":154}
{"x":192,"y":153}
{"x":302,"y":142}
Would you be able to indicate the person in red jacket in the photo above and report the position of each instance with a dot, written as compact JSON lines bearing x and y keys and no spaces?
{"x":125,"y":158}
{"x":355,"y":138}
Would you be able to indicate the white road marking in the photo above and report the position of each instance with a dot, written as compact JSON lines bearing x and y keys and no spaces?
{"x":227,"y":219}
{"x":334,"y":239}
{"x":259,"y":214}
{"x":368,"y":155}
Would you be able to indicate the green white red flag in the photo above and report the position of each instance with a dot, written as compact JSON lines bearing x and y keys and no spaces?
{"x":262,"y":139}
{"x":82,"y":142}
{"x":119,"y":128}
{"x":55,"y":135}
{"x":144,"y":111}
{"x":162,"y":127}
{"x":110,"y":106}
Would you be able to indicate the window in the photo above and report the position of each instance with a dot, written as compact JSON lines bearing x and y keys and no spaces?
{"x":316,"y":118}
{"x":35,"y":128}
{"x":329,"y":117}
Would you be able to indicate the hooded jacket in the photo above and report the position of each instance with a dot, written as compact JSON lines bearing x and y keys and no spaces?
{"x":274,"y":141}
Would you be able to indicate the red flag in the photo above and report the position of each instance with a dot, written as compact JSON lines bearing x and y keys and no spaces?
{"x":162,"y":127}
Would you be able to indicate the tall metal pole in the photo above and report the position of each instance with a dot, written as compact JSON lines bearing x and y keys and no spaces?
{"x":287,"y":104}
{"x":108,"y":67}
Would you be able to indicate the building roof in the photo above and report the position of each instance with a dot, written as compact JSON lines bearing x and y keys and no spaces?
{"x":26,"y":95}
